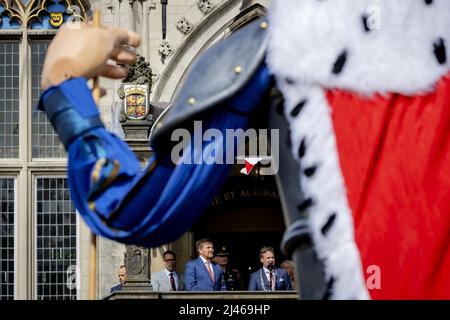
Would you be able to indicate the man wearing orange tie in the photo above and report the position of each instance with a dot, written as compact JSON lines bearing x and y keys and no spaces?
{"x":202,"y":274}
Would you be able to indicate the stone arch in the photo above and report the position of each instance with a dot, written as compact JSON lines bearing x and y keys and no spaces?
{"x":212,"y":29}
{"x":18,"y":12}
{"x":11,"y":14}
{"x":37,"y":11}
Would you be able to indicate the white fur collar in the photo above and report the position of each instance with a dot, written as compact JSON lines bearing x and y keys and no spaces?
{"x":308,"y":36}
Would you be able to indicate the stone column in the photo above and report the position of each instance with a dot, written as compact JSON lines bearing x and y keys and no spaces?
{"x":136,"y":127}
{"x":145,"y":28}
{"x":137,"y":263}
{"x":131,"y":20}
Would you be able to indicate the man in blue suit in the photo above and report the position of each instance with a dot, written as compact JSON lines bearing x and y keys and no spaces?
{"x":269,"y":278}
{"x":202,"y":274}
{"x":122,"y":274}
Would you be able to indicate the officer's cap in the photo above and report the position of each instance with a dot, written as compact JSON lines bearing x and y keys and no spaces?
{"x":222,"y":252}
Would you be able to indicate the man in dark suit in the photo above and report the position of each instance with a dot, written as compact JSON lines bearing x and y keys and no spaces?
{"x":269,"y":278}
{"x":202,"y":274}
{"x":231,"y":276}
{"x":122,"y":274}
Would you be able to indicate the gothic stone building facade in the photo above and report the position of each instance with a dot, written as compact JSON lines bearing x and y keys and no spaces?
{"x":44,"y":244}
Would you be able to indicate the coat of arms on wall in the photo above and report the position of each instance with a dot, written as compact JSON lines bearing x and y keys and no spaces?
{"x":56,"y":19}
{"x":136,"y":104}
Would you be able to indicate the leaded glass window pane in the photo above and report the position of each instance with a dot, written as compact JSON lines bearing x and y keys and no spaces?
{"x":9,"y":99}
{"x":55,"y":241}
{"x":7,"y":219}
{"x":46,"y":143}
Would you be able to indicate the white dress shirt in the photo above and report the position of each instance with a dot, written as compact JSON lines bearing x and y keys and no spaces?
{"x":205,"y":262}
{"x":175,"y":277}
{"x":267,"y":272}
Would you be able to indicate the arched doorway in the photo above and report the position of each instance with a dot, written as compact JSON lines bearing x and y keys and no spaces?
{"x":244,"y":216}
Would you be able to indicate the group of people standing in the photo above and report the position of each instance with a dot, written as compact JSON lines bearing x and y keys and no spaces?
{"x":211,"y":272}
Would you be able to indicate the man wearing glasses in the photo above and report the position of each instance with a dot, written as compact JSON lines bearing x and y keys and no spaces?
{"x":168,"y":279}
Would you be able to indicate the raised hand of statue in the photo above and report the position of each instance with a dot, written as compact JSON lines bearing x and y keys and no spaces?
{"x":86,"y":51}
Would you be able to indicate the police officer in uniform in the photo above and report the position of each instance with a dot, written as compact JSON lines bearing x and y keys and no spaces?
{"x":231,"y":276}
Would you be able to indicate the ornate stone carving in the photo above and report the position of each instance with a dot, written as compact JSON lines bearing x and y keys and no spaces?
{"x":165,"y":50}
{"x":137,"y":263}
{"x":184,"y":26}
{"x":139,"y":74}
{"x":109,"y":5}
{"x":205,"y":6}
{"x":155,"y":77}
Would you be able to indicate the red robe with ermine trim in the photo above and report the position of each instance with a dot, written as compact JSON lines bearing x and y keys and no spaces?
{"x":394,"y":153}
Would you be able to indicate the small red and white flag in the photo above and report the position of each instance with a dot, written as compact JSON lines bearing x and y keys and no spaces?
{"x":250,"y":163}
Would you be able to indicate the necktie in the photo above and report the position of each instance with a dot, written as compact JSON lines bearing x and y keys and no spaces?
{"x":211,"y":274}
{"x":271,"y":281}
{"x":172,"y":282}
